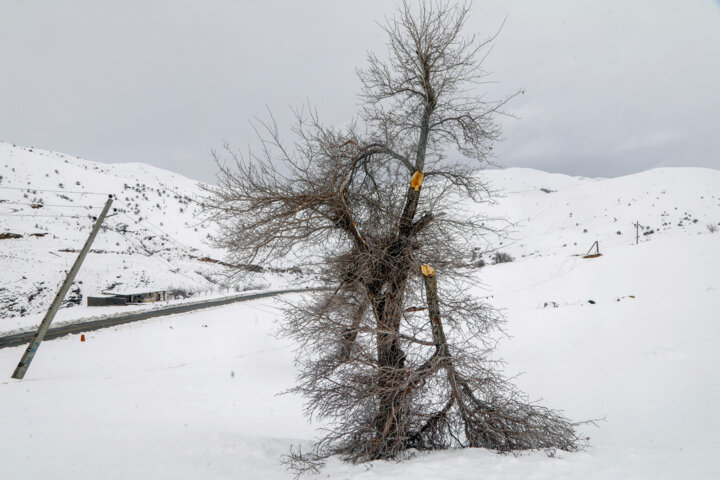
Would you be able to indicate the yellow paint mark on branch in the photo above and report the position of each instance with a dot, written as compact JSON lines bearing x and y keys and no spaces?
{"x":416,"y":180}
{"x":427,"y":270}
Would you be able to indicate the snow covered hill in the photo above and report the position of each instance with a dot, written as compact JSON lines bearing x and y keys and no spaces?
{"x":555,"y":214}
{"x":630,"y":336}
{"x":195,"y":395}
{"x":155,"y":240}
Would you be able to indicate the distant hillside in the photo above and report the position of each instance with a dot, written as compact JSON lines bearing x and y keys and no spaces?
{"x":553,"y":214}
{"x":157,"y":238}
{"x":154,"y":240}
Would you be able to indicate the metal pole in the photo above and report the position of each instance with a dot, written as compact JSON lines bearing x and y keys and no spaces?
{"x":45,"y":324}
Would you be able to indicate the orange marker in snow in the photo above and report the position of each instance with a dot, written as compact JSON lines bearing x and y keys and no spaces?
{"x":82,"y":337}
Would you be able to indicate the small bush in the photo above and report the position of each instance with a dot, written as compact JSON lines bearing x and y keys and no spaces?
{"x":176,"y":293}
{"x":712,"y":228}
{"x":502,"y":257}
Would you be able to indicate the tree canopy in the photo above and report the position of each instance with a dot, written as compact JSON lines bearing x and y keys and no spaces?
{"x":395,"y":354}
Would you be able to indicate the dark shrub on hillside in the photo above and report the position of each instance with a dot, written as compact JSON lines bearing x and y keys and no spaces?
{"x":502,"y":257}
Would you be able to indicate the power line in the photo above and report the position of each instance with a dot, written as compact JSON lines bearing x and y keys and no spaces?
{"x":188,"y":197}
{"x":162,"y":233}
{"x":157,"y":259}
{"x":158,"y":230}
{"x":33,"y":189}
{"x":40,"y":205}
{"x":30,"y":215}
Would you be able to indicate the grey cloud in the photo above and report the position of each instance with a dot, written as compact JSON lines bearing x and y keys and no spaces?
{"x":612,"y":87}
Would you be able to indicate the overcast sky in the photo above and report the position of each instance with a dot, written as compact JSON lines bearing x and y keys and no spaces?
{"x":613,"y":87}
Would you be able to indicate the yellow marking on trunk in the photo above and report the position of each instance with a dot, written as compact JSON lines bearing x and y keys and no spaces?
{"x":427,"y":270}
{"x":416,"y":180}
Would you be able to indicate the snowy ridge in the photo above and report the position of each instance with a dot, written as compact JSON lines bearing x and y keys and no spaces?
{"x":556,"y":214}
{"x":155,"y":239}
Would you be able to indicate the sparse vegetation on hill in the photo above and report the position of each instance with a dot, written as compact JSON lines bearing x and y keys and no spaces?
{"x":47,"y":205}
{"x":502,"y":257}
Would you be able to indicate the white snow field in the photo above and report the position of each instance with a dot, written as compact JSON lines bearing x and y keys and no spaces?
{"x":194,"y":396}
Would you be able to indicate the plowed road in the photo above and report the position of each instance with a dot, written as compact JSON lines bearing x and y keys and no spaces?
{"x":110,"y":321}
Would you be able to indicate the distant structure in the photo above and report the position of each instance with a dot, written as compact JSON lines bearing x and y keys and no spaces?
{"x":125,"y":299}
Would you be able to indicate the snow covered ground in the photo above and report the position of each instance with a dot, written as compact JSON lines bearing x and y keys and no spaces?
{"x":195,"y":395}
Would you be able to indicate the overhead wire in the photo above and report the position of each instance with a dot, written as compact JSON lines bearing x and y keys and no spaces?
{"x":137,"y":244}
{"x":34,"y":189}
{"x":40,"y":215}
{"x":42,"y":205}
{"x":163,"y":233}
{"x":161,"y":260}
{"x":167,"y":188}
{"x":149,"y":225}
{"x":44,"y":214}
{"x":157,"y":230}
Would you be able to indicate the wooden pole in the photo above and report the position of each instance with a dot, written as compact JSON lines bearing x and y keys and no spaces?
{"x":55,"y":306}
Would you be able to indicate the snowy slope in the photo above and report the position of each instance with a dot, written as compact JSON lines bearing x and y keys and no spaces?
{"x":154,"y":241}
{"x":194,"y":395}
{"x":578,"y":211}
{"x":157,"y":236}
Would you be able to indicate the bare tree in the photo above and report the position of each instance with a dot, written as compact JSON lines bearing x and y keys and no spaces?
{"x":390,"y":359}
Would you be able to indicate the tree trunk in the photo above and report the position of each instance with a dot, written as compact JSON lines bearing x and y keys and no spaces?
{"x":390,"y":434}
{"x":388,"y":306}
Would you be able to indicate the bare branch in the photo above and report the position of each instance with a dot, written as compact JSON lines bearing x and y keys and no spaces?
{"x":390,"y":359}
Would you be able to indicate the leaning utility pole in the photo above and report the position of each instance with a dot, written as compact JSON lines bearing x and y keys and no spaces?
{"x":45,"y":324}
